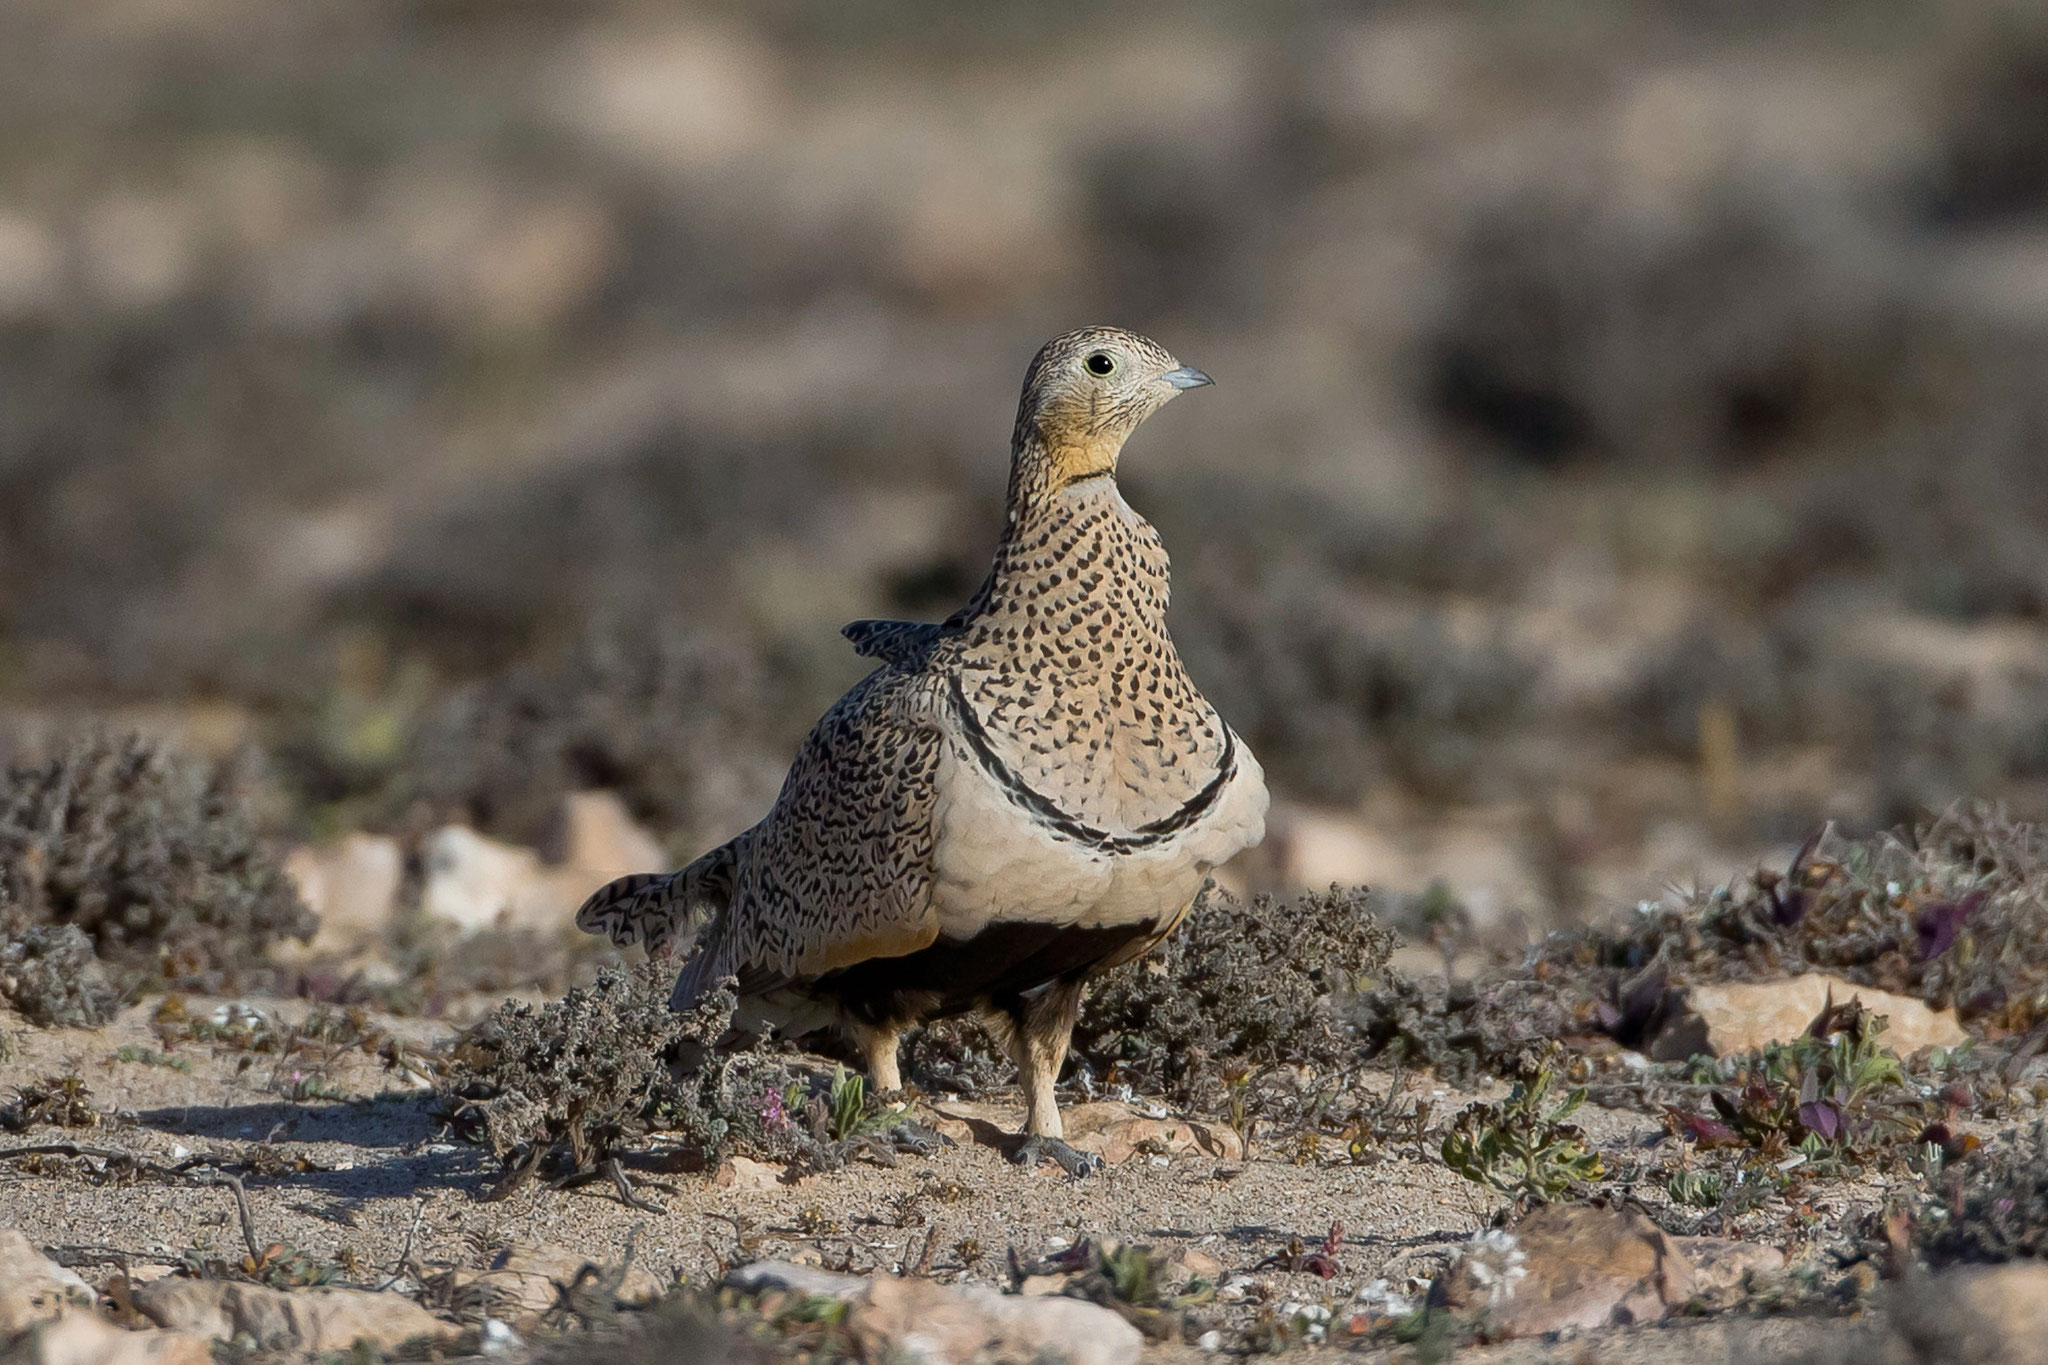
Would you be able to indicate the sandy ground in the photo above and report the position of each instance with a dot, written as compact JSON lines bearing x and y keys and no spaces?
{"x":364,"y":1165}
{"x":376,"y":1151}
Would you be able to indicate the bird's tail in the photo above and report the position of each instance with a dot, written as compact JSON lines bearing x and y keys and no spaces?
{"x":663,"y":910}
{"x":696,"y":977}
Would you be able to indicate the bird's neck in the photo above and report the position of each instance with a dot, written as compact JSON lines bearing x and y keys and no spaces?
{"x":1075,"y":549}
{"x":1043,"y":464}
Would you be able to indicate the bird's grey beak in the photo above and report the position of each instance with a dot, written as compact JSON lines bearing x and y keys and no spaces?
{"x":1186,"y":377}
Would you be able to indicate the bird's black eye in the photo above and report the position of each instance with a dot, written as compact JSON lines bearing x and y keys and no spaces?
{"x":1100,"y":363}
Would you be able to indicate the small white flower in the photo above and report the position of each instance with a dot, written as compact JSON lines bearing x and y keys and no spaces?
{"x":1495,"y":1260}
{"x":498,"y":1338}
{"x":1383,"y":1300}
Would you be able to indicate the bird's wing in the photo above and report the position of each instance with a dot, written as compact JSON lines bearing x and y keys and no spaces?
{"x":907,"y":643}
{"x":841,"y":869}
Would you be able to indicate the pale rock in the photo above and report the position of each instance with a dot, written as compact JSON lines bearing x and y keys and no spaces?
{"x":34,"y":1288}
{"x":522,"y":1282}
{"x":1570,"y":1267}
{"x":604,"y":840}
{"x":1115,"y":1133}
{"x":919,"y":1322}
{"x":352,"y":885}
{"x":683,"y":99}
{"x":1992,"y":1313}
{"x":85,"y":1339}
{"x":1741,"y":1016}
{"x":307,"y":1321}
{"x":1723,"y":1266}
{"x":1318,"y":848}
{"x":31,"y":268}
{"x":140,"y":251}
{"x":748,"y":1176}
{"x":475,"y":882}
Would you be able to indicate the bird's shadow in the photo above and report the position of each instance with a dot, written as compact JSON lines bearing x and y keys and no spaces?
{"x":401,"y":1139}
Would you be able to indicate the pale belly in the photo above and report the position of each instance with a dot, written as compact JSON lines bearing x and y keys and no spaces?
{"x":995,"y":861}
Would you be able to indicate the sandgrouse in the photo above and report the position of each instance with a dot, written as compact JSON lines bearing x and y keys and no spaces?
{"x":1016,"y":799}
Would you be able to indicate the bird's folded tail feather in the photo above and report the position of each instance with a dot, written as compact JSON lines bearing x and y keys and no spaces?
{"x":662,"y":910}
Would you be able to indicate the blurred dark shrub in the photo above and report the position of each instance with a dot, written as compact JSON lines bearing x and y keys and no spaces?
{"x":1238,"y":986}
{"x":1991,"y":126}
{"x":1995,"y":1207}
{"x":49,"y":973}
{"x":1578,"y":329}
{"x":155,"y":856}
{"x":682,"y":723}
{"x":1333,"y":697}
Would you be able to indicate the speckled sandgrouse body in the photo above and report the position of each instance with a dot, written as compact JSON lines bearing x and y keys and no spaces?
{"x":1015,"y":799}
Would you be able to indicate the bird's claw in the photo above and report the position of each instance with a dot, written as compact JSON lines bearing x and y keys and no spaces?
{"x":918,"y":1140}
{"x":1073,"y":1161}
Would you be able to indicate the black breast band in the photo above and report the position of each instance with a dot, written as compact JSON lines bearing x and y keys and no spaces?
{"x":1065,"y":826}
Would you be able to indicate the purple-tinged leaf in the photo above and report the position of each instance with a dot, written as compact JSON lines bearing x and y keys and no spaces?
{"x":1702,"y":1130}
{"x":1822,"y":1118}
{"x":1788,"y":896}
{"x":1937,"y":925}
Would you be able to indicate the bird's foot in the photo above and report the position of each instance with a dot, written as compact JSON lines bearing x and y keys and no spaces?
{"x":1073,"y":1161}
{"x":918,"y":1140}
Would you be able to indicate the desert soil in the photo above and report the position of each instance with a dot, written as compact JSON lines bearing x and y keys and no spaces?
{"x":364,"y":1167}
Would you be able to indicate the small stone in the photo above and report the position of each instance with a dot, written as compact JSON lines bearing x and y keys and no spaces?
{"x":605,"y":841}
{"x":309,"y":1321}
{"x":83,"y":1339}
{"x":921,"y":1322}
{"x":1211,"y":1340}
{"x":352,"y":885}
{"x":474,"y":882}
{"x":1994,"y":1313}
{"x":1571,"y":1267}
{"x":1742,"y":1016}
{"x":1723,"y":1266}
{"x":34,"y":1288}
{"x":523,"y":1281}
{"x":748,"y":1176}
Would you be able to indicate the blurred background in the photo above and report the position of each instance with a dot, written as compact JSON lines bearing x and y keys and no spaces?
{"x":1629,"y":449}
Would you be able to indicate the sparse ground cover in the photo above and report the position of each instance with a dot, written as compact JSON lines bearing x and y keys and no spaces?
{"x":1292,"y":1166}
{"x":1630,"y":462}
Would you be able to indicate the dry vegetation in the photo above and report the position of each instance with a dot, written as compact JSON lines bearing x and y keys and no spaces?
{"x":1626,"y":446}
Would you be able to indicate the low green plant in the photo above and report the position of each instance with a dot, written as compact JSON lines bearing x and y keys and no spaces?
{"x":1701,"y":1189}
{"x":1521,"y":1147}
{"x":1834,"y":1094}
{"x":849,"y":1113}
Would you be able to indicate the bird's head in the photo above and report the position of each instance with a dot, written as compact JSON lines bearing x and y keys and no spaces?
{"x":1088,"y":389}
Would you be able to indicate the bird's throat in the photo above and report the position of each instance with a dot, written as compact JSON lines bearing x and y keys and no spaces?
{"x":1042,"y":468}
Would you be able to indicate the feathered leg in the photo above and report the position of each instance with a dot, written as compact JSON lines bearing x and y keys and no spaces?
{"x":1041,"y":1024}
{"x":877,"y":1043}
